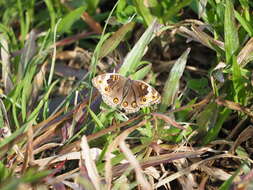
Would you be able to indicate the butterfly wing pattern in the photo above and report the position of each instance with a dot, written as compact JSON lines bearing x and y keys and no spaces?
{"x":127,"y":94}
{"x":110,"y":87}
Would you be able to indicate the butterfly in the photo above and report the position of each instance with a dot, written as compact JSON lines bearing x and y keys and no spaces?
{"x":125,"y":93}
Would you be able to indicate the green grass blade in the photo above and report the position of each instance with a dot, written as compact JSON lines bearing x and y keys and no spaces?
{"x":50,"y":78}
{"x":132,"y":60}
{"x":141,"y":73}
{"x":175,"y":9}
{"x":68,"y":20}
{"x":227,"y":185}
{"x":245,"y":24}
{"x":172,"y":83}
{"x":213,"y":132}
{"x":36,"y":111}
{"x":92,"y":5}
{"x":95,"y":118}
{"x":238,"y":83}
{"x":27,"y":54}
{"x":52,"y":13}
{"x":207,"y":118}
{"x":110,"y":44}
{"x":144,"y":11}
{"x":246,"y":8}
{"x":22,"y":20}
{"x":94,"y":59}
{"x":230,"y":31}
{"x":30,"y":120}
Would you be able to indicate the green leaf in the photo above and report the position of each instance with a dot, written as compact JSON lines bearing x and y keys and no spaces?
{"x":172,"y":84}
{"x":198,"y":85}
{"x":124,"y":11}
{"x":213,"y":132}
{"x":110,"y":44}
{"x":238,"y":83}
{"x":9,"y":141}
{"x":229,"y":182}
{"x":230,"y":31}
{"x":245,"y":24}
{"x":52,"y":12}
{"x":95,"y":118}
{"x":173,"y":10}
{"x":141,"y":73}
{"x":69,"y":19}
{"x":92,"y":5}
{"x":206,"y":119}
{"x":132,"y":60}
{"x":32,"y":175}
{"x":144,"y":11}
{"x":4,"y":172}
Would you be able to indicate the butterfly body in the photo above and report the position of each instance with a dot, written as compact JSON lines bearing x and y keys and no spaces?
{"x":125,"y":93}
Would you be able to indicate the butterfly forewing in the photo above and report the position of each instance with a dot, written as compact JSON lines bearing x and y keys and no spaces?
{"x":110,"y":86}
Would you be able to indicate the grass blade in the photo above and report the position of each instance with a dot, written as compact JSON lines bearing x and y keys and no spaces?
{"x":132,"y":60}
{"x":144,"y":11}
{"x":245,"y":24}
{"x":141,"y":73}
{"x":238,"y":83}
{"x":213,"y":132}
{"x":230,"y":31}
{"x":172,"y":84}
{"x":110,"y":44}
{"x":52,"y":13}
{"x":69,"y":19}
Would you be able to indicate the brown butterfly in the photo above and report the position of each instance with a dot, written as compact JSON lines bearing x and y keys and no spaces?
{"x":127,"y":94}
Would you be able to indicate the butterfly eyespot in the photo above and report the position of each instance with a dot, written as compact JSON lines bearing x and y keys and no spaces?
{"x":125,"y":104}
{"x":115,"y":100}
{"x":107,"y":89}
{"x":133,"y":104}
{"x":153,"y":97}
{"x":100,"y":81}
{"x":144,"y":99}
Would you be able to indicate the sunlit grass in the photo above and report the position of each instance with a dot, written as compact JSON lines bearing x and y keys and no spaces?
{"x":55,"y":128}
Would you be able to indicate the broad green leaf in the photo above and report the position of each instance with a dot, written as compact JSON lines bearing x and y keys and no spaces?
{"x":199,"y":85}
{"x":141,"y":73}
{"x":132,"y":60}
{"x":69,"y":19}
{"x":111,"y":43}
{"x":172,"y":84}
